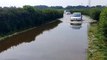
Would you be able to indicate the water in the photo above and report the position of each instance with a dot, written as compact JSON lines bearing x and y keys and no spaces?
{"x":59,"y":40}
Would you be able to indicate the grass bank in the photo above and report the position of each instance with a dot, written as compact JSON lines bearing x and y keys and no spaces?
{"x":97,"y":49}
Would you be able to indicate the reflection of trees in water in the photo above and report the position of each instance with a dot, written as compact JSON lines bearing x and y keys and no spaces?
{"x":26,"y":36}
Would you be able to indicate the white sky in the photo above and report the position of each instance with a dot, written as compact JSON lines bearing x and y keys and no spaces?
{"x":63,"y":3}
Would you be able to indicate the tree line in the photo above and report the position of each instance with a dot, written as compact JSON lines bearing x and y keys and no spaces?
{"x":68,"y":7}
{"x":14,"y":19}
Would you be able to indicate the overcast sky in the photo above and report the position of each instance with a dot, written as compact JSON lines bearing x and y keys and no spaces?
{"x":64,"y":3}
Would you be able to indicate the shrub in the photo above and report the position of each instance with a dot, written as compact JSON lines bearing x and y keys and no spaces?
{"x":103,"y":22}
{"x":95,"y":14}
{"x":14,"y":19}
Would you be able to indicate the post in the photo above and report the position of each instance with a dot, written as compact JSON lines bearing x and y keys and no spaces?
{"x":89,"y":3}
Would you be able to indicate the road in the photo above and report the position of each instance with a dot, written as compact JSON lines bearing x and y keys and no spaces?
{"x":55,"y":41}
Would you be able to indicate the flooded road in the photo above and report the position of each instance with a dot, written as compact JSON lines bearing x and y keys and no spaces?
{"x":59,"y":40}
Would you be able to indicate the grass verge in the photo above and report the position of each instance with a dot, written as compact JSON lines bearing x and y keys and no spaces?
{"x":97,"y":49}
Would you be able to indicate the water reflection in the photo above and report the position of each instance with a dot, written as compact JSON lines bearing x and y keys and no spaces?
{"x":27,"y":36}
{"x":76,"y":26}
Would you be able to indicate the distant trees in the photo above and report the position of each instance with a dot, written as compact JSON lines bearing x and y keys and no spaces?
{"x":47,"y":7}
{"x":76,"y":7}
{"x":56,"y":7}
{"x":83,"y":7}
{"x":14,"y":19}
{"x":41,"y":7}
{"x":68,"y":7}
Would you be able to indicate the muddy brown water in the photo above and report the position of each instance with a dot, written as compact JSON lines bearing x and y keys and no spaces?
{"x":60,"y":40}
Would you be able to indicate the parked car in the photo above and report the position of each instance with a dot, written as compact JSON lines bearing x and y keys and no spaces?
{"x":76,"y":16}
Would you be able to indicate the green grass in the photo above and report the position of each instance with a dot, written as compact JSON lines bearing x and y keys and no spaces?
{"x":97,"y":49}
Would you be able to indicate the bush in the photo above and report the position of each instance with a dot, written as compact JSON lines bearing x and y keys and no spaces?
{"x":95,"y":14}
{"x":14,"y":19}
{"x":103,"y":22}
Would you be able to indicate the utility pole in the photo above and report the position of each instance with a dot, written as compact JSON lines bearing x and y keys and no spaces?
{"x":81,"y":4}
{"x":89,"y":3}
